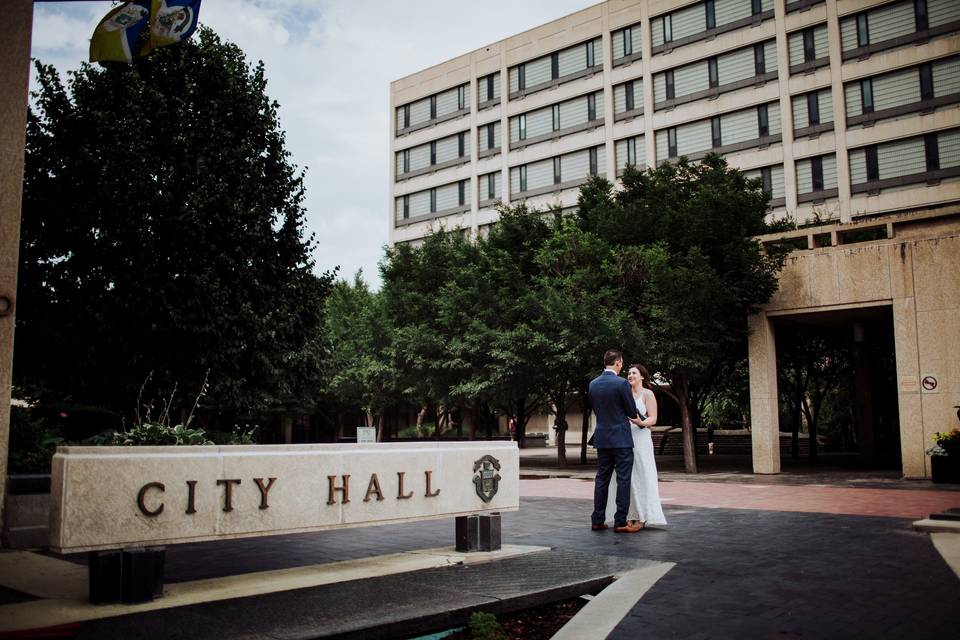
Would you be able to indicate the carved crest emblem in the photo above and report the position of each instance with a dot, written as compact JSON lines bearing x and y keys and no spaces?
{"x":485,"y":477}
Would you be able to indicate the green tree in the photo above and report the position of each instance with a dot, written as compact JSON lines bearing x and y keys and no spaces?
{"x":163,"y":229}
{"x":427,"y":354}
{"x":691,"y":269}
{"x":359,"y":339}
{"x":577,"y":319}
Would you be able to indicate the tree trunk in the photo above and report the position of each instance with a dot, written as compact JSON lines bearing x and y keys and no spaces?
{"x":797,"y":418}
{"x":560,"y":424}
{"x":420,"y":417}
{"x":521,"y":428}
{"x":689,"y":433}
{"x":585,"y":425}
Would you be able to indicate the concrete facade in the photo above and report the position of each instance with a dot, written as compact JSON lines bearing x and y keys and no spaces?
{"x":843,"y":169}
{"x":835,"y":75}
{"x":14,"y":78}
{"x":915,"y":272}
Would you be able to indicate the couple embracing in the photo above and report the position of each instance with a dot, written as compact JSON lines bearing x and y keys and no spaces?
{"x":625,"y":411}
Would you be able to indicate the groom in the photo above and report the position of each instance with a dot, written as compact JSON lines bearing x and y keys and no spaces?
{"x":613,"y":404}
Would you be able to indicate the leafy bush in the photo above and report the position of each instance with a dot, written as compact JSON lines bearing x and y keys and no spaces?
{"x":947,"y":443}
{"x":157,"y":433}
{"x":147,"y":431}
{"x":484,"y":626}
{"x":33,"y":441}
{"x":78,"y":422}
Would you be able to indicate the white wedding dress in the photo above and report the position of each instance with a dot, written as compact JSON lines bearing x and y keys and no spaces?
{"x":644,"y":490}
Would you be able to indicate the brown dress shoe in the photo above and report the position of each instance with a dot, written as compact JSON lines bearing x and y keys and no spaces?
{"x":598,"y":527}
{"x":628,"y":528}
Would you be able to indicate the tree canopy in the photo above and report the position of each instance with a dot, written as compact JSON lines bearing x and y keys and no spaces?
{"x":163,"y":230}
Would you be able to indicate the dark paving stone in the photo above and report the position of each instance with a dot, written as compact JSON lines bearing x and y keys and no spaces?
{"x":386,"y":607}
{"x":738,"y":574}
{"x":12,"y":596}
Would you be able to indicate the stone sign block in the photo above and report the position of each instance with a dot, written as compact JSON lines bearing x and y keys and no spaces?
{"x":127,"y":497}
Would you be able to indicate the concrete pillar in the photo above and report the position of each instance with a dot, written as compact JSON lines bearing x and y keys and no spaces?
{"x":14,"y":80}
{"x":764,"y":417}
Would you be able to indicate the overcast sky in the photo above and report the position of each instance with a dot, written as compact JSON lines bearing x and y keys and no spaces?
{"x":329,"y":64}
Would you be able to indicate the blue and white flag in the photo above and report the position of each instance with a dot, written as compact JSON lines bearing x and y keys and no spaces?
{"x":116,"y":37}
{"x":171,"y":21}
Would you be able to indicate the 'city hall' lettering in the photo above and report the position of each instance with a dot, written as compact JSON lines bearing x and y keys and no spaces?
{"x":152,"y":505}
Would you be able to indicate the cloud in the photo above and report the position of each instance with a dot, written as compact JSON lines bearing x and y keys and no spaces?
{"x":329,"y":65}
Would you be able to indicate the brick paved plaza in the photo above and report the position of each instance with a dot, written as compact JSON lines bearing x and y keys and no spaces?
{"x":752,"y":560}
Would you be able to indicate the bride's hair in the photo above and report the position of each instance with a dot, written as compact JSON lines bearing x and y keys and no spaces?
{"x":643,"y":372}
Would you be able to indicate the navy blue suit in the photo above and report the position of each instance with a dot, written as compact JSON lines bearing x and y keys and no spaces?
{"x":613,"y":403}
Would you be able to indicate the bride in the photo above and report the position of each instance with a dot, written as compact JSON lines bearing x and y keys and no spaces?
{"x":644,"y":492}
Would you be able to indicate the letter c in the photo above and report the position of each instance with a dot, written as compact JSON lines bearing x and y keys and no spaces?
{"x":143,"y":492}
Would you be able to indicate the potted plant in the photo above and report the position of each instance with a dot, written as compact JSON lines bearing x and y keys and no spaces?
{"x":945,"y":456}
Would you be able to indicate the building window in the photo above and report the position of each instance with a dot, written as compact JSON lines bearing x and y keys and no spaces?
{"x":628,"y":96}
{"x":866,"y":95}
{"x":461,"y":97}
{"x":668,"y":77}
{"x":462,"y":192}
{"x":554,"y":66}
{"x":461,"y":144}
{"x":756,"y":8}
{"x":931,"y":149}
{"x":667,"y":28}
{"x":715,"y":132}
{"x":556,"y":170}
{"x":490,"y":87}
{"x":766,"y":180}
{"x":556,"y":117}
{"x":522,"y":77}
{"x":763,"y":120}
{"x":433,"y":200}
{"x":491,"y":141}
{"x":433,"y":107}
{"x":632,"y":151}
{"x":712,"y":75}
{"x":591,"y":59}
{"x":592,"y":107}
{"x":873,"y":167}
{"x":627,"y":42}
{"x":406,"y":160}
{"x":816,"y":172}
{"x":433,"y":153}
{"x":522,"y":126}
{"x":863,"y":30}
{"x":406,"y":116}
{"x":809,"y":46}
{"x":406,"y":207}
{"x":523,"y":178}
{"x":711,"y":14}
{"x":593,"y":161}
{"x":920,"y":14}
{"x":926,"y":82}
{"x":813,"y":109}
{"x":759,"y":60}
{"x":672,"y":142}
{"x":491,"y":186}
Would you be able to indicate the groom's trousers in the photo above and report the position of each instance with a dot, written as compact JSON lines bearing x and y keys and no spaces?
{"x":608,"y":461}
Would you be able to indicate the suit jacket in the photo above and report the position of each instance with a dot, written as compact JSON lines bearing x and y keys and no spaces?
{"x":613,"y":404}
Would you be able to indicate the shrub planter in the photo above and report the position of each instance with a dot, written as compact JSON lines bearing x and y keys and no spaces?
{"x":945,"y":469}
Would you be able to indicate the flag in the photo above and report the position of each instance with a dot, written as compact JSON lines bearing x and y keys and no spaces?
{"x":115,"y":38}
{"x":171,"y":21}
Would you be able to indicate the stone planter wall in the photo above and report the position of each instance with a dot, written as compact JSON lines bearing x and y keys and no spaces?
{"x":26,"y":519}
